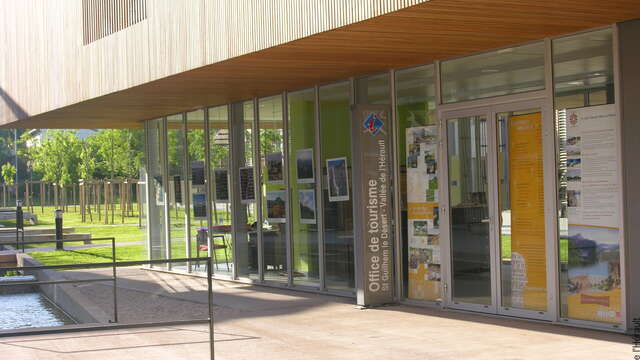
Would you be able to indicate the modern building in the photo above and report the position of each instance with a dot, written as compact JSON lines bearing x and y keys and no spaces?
{"x":470,"y":155}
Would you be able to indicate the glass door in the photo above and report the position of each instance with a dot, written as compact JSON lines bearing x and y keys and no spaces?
{"x":497,"y":240}
{"x":470,"y":239}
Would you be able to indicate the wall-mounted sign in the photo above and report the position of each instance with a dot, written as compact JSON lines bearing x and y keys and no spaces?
{"x":247,"y":192}
{"x":197,"y":173}
{"x":199,"y":206}
{"x":372,"y":152}
{"x":221,"y":180}
{"x":177,"y":189}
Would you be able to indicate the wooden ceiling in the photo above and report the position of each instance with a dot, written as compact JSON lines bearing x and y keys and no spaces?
{"x":438,"y":29}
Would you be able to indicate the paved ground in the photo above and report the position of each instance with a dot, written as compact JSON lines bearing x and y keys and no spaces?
{"x":262,"y":323}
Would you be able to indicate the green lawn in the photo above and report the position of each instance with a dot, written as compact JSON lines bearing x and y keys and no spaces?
{"x":123,"y":232}
{"x":123,"y":253}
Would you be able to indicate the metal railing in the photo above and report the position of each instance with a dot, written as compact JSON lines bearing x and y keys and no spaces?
{"x":114,"y":264}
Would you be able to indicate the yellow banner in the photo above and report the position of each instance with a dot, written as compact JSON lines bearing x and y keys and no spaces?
{"x":526,"y":190}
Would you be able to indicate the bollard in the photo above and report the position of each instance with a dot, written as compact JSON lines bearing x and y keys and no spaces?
{"x":59,"y":230}
{"x":19,"y":222}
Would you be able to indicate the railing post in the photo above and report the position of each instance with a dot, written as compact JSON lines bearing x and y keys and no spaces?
{"x":210,"y":295}
{"x":19,"y":224}
{"x":59,"y":236}
{"x":115,"y":280}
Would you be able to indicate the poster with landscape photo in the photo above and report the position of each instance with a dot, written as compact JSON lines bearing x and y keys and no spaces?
{"x":275,"y":169}
{"x":304,"y":166}
{"x":307,"y":200}
{"x":337,"y":179}
{"x":277,"y":206}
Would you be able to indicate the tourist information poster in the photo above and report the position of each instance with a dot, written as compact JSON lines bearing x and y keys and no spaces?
{"x":593,"y":198}
{"x":423,"y":213}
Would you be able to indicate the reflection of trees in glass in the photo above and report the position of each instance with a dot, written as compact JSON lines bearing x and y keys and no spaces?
{"x":175,"y":151}
{"x":270,"y":141}
{"x":219,"y":153}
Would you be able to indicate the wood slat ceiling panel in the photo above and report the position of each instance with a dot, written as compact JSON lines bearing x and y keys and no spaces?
{"x":438,"y":29}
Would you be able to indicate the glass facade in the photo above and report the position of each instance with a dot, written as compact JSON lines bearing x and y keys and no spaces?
{"x":251,"y":183}
{"x":221,"y":214}
{"x":335,"y":118}
{"x":246,"y":229}
{"x":273,"y":192}
{"x":302,"y":187}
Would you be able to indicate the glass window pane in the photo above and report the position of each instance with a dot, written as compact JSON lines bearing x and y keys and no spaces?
{"x":590,"y":282}
{"x":176,"y":190}
{"x":468,"y":187}
{"x":418,"y":137}
{"x":272,"y":189}
{"x":302,"y":183}
{"x":506,"y":71}
{"x":221,"y":235}
{"x":156,"y":190}
{"x":583,"y":69}
{"x":196,"y":181}
{"x":335,"y":118}
{"x":373,"y":89}
{"x":246,"y":243}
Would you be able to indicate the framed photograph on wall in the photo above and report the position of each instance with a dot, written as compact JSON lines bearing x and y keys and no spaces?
{"x":277,"y":206}
{"x":337,"y":179}
{"x":304,"y":166}
{"x":275,"y":169}
{"x":307,"y":201}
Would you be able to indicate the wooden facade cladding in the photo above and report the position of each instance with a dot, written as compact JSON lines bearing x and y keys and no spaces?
{"x":192,"y":53}
{"x":45,"y":64}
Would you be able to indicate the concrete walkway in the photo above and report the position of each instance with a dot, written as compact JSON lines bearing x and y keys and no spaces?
{"x":261,"y":323}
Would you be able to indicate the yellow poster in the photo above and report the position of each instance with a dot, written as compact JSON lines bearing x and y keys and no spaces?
{"x":526,"y":190}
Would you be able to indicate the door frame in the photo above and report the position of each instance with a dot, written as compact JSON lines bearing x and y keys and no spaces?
{"x":490,"y":108}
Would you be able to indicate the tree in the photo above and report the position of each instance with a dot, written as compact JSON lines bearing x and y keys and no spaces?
{"x":117,"y":153}
{"x":57,"y":158}
{"x":8,"y":173}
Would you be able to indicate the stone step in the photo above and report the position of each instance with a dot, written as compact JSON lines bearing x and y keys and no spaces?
{"x":86,"y":238}
{"x":28,"y":231}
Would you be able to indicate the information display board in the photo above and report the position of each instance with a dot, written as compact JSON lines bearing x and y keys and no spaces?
{"x":593,"y":198}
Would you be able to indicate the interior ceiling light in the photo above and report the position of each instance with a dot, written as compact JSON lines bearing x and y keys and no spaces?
{"x":489,"y":71}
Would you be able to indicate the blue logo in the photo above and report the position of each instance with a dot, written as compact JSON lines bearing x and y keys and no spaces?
{"x":373,"y":124}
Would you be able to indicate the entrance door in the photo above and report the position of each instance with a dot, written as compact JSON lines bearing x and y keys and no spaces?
{"x":497,"y":248}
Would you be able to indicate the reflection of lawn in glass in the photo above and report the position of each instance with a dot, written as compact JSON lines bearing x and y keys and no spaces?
{"x":506,"y":248}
